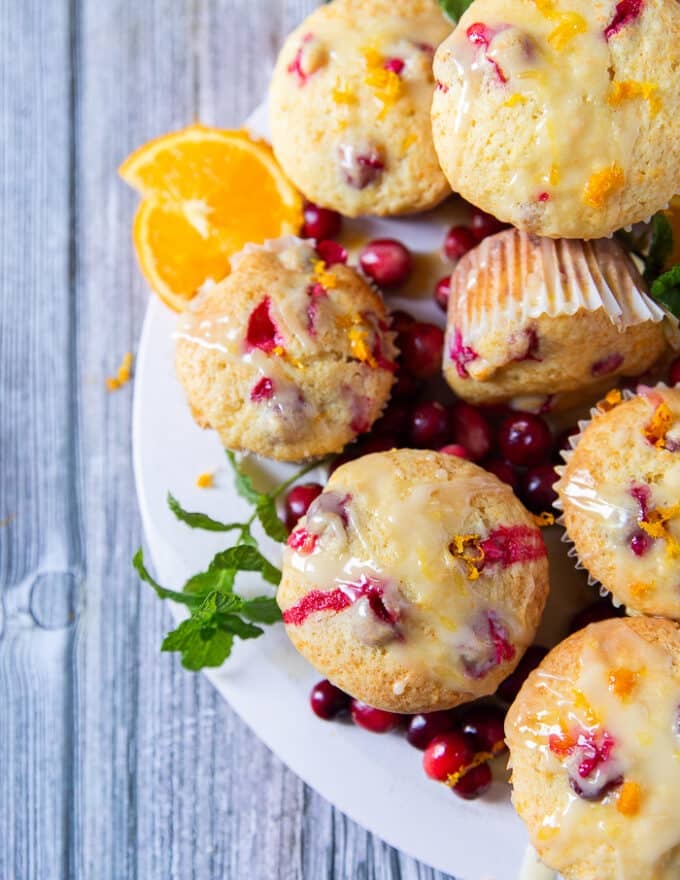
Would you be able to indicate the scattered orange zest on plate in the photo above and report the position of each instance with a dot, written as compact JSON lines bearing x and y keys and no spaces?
{"x":205,"y":481}
{"x":123,"y":376}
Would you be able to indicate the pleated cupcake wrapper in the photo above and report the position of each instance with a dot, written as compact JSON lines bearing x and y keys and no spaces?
{"x":566,"y":454}
{"x":549,"y":277}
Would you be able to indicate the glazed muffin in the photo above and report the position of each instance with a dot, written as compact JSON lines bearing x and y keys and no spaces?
{"x":415,"y":582}
{"x":594,"y":739}
{"x":350,"y":106}
{"x":620,"y":493}
{"x":562,"y":118}
{"x":548,"y":325}
{"x":286,"y":357}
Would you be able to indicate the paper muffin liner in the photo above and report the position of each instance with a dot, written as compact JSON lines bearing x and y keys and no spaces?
{"x":514,"y":277}
{"x":595,"y":413}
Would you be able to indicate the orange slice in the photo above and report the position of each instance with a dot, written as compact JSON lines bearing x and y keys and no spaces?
{"x":207,"y":192}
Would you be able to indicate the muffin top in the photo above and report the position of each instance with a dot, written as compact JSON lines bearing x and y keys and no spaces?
{"x":561,"y":116}
{"x":620,"y":492}
{"x":594,"y":737}
{"x":415,"y":581}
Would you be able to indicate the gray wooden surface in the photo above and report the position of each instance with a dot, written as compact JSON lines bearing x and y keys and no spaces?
{"x":114,"y":762}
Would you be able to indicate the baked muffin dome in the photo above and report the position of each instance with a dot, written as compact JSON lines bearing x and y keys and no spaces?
{"x":594,"y":738}
{"x":286,"y":357}
{"x":549,"y":325}
{"x":415,"y":582}
{"x":350,"y":106}
{"x":620,"y":493}
{"x":562,"y":117}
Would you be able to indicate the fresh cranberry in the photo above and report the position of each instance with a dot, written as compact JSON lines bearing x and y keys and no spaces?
{"x":429,"y":425}
{"x":626,"y":12}
{"x":524,"y":439}
{"x":394,"y":421}
{"x":462,"y":354}
{"x":422,"y":729}
{"x":328,"y":701}
{"x":459,"y":240}
{"x":483,"y":225}
{"x":471,"y":430}
{"x":674,"y":372}
{"x":508,"y":689}
{"x":298,"y":500}
{"x":400,"y":321}
{"x":262,"y":332}
{"x":442,"y":292}
{"x":600,"y":610}
{"x":641,"y":543}
{"x":455,"y":449}
{"x":381,"y":443}
{"x":448,"y":754}
{"x":375,"y":720}
{"x":475,"y":782}
{"x":487,"y":724}
{"x":503,"y":471}
{"x":386,"y":261}
{"x":537,"y":488}
{"x":320,"y":223}
{"x":262,"y":390}
{"x":422,"y":346}
{"x":331,"y":252}
{"x":406,"y":386}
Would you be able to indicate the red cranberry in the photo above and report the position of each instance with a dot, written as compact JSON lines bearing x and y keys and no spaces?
{"x":475,"y":782}
{"x":459,"y":240}
{"x":328,"y":701}
{"x":320,"y":223}
{"x":375,"y":720}
{"x":600,"y":610}
{"x":429,"y":424}
{"x":381,"y":443}
{"x":262,"y":332}
{"x":406,"y":386}
{"x":626,"y":12}
{"x":641,"y":543}
{"x":448,"y":754}
{"x":396,"y":65}
{"x":483,"y":225}
{"x":394,"y":421}
{"x":524,"y":439}
{"x":487,"y":724}
{"x":422,"y":346}
{"x":455,"y":449}
{"x":508,"y":689}
{"x":400,"y":321}
{"x":422,"y":729}
{"x":298,"y":500}
{"x":471,"y":430}
{"x":504,"y":472}
{"x":386,"y":261}
{"x":674,"y":372}
{"x":331,"y":252}
{"x":537,"y":490}
{"x":442,"y":292}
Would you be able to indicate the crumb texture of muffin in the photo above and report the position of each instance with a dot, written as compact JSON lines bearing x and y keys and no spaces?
{"x":286,"y":357}
{"x":415,"y":582}
{"x":350,"y":106}
{"x":561,"y":116}
{"x":620,"y":493}
{"x":594,"y":738}
{"x":549,"y":324}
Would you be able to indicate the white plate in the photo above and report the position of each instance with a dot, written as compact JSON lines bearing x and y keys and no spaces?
{"x":376,"y":780}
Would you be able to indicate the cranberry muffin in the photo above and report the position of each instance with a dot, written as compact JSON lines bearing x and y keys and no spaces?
{"x":286,"y":357}
{"x":415,"y":582}
{"x":548,"y":325}
{"x":562,"y":117}
{"x":620,"y":493}
{"x":350,"y":106}
{"x":594,"y":739}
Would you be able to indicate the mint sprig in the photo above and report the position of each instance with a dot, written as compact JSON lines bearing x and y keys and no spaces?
{"x":217,"y":613}
{"x":660,"y":248}
{"x":666,"y":289}
{"x":454,"y":9}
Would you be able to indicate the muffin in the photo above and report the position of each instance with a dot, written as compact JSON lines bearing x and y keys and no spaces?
{"x":620,"y":493}
{"x":350,"y":106}
{"x":286,"y":357}
{"x":594,"y":739}
{"x":548,"y":325}
{"x":562,"y":118}
{"x":415,"y":582}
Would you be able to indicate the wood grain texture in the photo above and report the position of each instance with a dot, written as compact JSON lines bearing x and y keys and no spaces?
{"x":114,"y":762}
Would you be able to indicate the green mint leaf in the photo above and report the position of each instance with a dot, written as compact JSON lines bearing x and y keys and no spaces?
{"x":219,"y":581}
{"x":261,"y":609}
{"x":666,"y":289}
{"x":269,"y":519}
{"x":199,"y":643}
{"x":660,"y":249}
{"x":454,"y":9}
{"x":242,"y":482}
{"x":232,"y":623}
{"x":162,"y":593}
{"x":199,"y":520}
{"x":245,"y":557}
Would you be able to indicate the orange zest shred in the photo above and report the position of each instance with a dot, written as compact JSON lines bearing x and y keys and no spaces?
{"x":409,"y":141}
{"x":343,"y":93}
{"x":480,"y":758}
{"x":630,"y":90}
{"x":629,"y":799}
{"x":205,"y":480}
{"x":602,"y":185}
{"x":662,"y":421}
{"x":123,"y":375}
{"x":386,"y":84}
{"x":325,"y":278}
{"x":543,"y":520}
{"x":612,"y":399}
{"x":554,"y":177}
{"x":641,"y":591}
{"x":622,"y":682}
{"x":581,"y":704}
{"x":656,"y":523}
{"x":571,"y":24}
{"x":468,"y":549}
{"x":515,"y":100}
{"x":358,"y":340}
